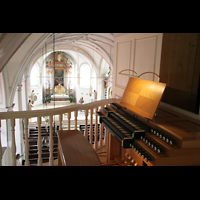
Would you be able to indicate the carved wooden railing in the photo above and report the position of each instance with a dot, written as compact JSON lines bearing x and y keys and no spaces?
{"x":25,"y":115}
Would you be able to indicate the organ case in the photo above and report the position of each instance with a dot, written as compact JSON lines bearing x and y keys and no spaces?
{"x":148,"y":133}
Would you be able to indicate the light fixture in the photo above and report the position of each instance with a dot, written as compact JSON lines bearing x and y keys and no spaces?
{"x":137,"y":76}
{"x":121,"y":72}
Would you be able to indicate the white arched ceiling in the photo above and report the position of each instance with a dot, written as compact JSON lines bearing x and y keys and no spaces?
{"x":33,"y":46}
{"x":83,"y":43}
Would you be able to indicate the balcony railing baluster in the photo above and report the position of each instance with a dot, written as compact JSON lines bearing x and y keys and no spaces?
{"x":26,"y":115}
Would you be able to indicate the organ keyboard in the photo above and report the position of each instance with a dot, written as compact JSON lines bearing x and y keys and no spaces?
{"x":122,"y":126}
{"x":168,"y":138}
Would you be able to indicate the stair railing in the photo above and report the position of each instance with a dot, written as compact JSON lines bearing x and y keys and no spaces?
{"x":26,"y":115}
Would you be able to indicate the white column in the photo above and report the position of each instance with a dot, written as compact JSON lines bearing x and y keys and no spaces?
{"x":27,"y":90}
{"x":9,"y":138}
{"x":20,"y":120}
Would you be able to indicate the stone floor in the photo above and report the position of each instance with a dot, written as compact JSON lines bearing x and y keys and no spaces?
{"x":57,"y":104}
{"x":53,"y":104}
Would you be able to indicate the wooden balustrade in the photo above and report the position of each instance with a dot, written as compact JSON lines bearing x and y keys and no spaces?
{"x":60,"y":121}
{"x":13,"y":146}
{"x":91,"y":125}
{"x":39,"y":142}
{"x":26,"y":142}
{"x":51,"y":140}
{"x":96,"y":129}
{"x":86,"y":122}
{"x":26,"y":115}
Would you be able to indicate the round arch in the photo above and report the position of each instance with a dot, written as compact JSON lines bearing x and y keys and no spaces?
{"x":102,"y":44}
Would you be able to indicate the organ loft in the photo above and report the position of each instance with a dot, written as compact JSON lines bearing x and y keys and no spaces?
{"x":141,"y":133}
{"x":151,"y":116}
{"x":155,"y":123}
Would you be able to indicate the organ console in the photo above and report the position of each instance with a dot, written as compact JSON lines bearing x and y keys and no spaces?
{"x":144,"y":133}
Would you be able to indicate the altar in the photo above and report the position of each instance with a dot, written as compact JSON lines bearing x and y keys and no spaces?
{"x":59,"y":80}
{"x":60,"y":94}
{"x":60,"y":97}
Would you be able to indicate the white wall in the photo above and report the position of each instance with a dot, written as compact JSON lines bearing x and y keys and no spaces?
{"x":3,"y":130}
{"x":38,"y":93}
{"x":2,"y":94}
{"x":82,"y":92}
{"x":24,"y":101}
{"x":140,"y":52}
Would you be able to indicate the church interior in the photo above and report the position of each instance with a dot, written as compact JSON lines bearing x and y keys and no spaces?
{"x":135,"y":97}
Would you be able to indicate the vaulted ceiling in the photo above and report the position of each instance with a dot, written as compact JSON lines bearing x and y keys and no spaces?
{"x":31,"y":45}
{"x":19,"y":52}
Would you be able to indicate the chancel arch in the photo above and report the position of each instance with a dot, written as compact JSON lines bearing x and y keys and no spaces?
{"x":66,"y":76}
{"x":59,"y":76}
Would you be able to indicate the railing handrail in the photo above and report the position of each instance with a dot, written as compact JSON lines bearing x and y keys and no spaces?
{"x":53,"y":111}
{"x":50,"y":113}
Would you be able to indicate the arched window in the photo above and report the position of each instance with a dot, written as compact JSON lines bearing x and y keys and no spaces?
{"x":85,"y":76}
{"x":35,"y":75}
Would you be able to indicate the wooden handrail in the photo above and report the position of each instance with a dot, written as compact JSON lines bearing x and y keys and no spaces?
{"x":50,"y":113}
{"x":53,"y":111}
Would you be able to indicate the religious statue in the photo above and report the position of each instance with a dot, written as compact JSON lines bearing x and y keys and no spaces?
{"x":81,"y":100}
{"x":94,"y":95}
{"x":59,"y":57}
{"x":66,"y":60}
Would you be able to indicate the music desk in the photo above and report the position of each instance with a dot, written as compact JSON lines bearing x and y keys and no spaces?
{"x":75,"y":150}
